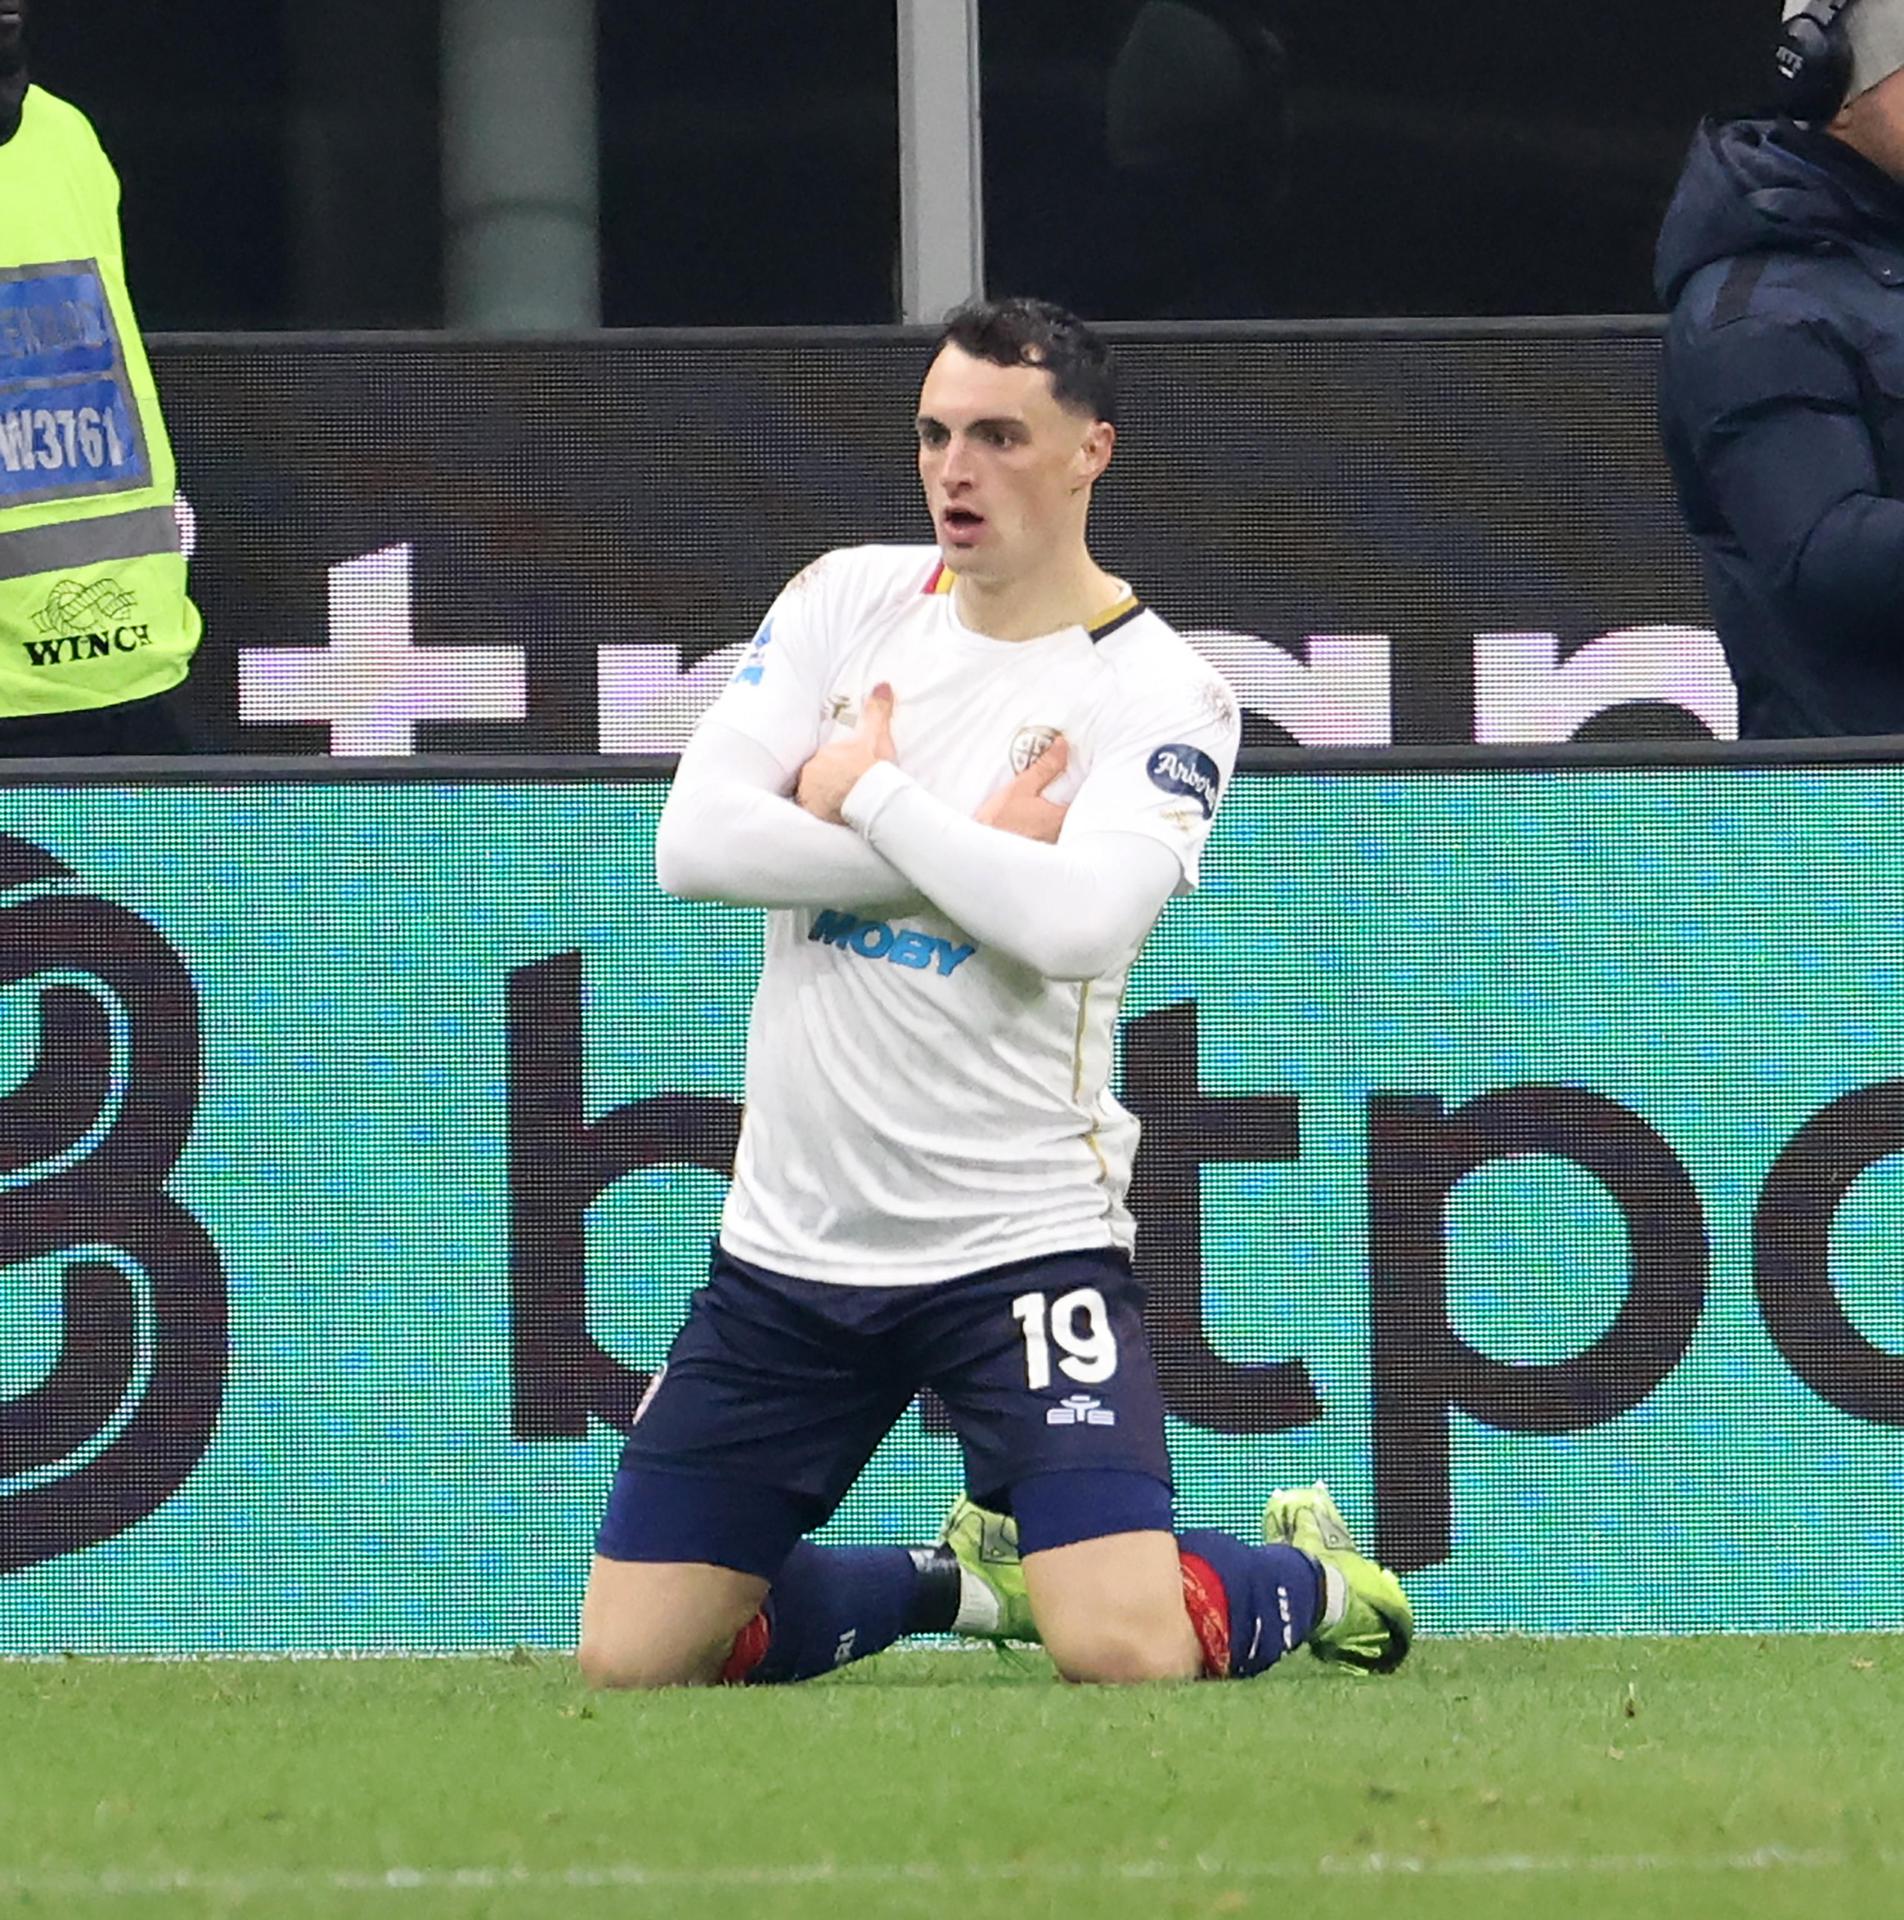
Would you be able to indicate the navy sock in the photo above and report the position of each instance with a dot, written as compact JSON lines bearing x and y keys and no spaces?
{"x":1275,"y":1597}
{"x":829,"y":1605}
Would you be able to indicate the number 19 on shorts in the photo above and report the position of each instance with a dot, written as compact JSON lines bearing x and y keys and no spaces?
{"x":1078,"y":1324}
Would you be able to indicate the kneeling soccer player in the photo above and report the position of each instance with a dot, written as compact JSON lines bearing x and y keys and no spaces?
{"x":965,"y":782}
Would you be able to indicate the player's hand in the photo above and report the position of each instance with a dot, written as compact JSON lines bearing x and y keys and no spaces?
{"x":1020,"y":806}
{"x":834,"y":771}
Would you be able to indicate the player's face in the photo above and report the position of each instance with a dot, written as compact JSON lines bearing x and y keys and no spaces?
{"x":1007,"y":470}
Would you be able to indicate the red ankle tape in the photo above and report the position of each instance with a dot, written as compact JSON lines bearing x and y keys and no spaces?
{"x":750,"y":1649}
{"x":1209,"y":1609}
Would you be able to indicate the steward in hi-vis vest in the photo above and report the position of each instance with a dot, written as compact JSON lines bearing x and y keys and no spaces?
{"x":94,"y":612}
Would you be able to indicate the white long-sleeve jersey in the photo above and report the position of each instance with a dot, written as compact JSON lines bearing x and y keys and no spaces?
{"x":930,"y":1047}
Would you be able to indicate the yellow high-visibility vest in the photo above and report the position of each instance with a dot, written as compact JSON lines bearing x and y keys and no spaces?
{"x":93,"y":606}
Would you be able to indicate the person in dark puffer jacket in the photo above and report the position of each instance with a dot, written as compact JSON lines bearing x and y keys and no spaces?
{"x":1782,"y":387}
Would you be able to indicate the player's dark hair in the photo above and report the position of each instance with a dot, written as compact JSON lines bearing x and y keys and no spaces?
{"x":1034,"y":333}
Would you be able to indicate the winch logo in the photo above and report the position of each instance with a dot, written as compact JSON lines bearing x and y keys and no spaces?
{"x":86,"y":623}
{"x":73,"y":606}
{"x":87,"y":1140}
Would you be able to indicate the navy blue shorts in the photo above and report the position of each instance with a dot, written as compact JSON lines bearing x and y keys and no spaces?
{"x":782,"y":1388}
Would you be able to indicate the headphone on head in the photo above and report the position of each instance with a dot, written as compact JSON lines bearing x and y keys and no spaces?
{"x":1813,"y":61}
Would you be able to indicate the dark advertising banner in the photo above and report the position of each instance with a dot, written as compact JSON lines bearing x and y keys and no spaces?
{"x":1379,"y":536}
{"x":1521,"y":1155}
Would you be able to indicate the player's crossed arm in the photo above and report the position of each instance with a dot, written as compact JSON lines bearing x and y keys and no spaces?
{"x":1070,"y":912}
{"x":835,"y":770}
{"x":729,"y":833}
{"x":1018,"y":807}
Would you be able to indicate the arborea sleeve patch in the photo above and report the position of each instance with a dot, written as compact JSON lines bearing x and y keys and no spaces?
{"x":1188,"y":770}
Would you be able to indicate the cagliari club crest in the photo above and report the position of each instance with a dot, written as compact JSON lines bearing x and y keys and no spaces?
{"x":1028,"y":743}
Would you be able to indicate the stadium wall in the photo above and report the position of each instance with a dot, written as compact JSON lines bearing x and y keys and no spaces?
{"x":1521,"y":1156}
{"x":1382,"y":532}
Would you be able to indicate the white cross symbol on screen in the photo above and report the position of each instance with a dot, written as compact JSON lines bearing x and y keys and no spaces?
{"x":372,"y":683}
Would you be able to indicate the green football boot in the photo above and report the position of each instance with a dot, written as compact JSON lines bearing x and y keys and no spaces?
{"x":986,"y":1547}
{"x":1367,"y":1623}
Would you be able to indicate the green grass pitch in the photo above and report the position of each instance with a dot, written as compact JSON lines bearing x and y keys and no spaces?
{"x":1681,"y":1778}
